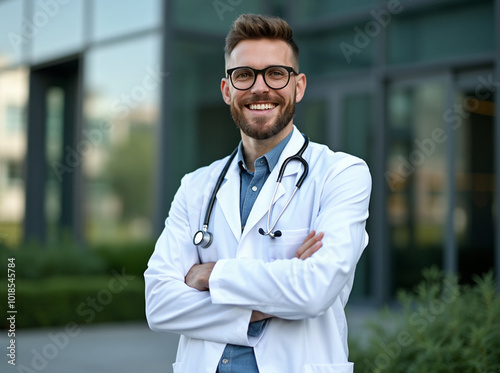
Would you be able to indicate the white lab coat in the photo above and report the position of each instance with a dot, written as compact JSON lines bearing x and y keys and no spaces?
{"x":255,"y":272}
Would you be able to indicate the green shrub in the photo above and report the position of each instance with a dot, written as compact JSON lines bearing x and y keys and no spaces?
{"x":83,"y":300}
{"x":36,"y":261}
{"x":59,"y":284}
{"x":133,"y":257}
{"x":442,"y":327}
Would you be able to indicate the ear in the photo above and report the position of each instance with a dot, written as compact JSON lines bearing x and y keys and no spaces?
{"x":224,"y":88}
{"x":301,"y":83}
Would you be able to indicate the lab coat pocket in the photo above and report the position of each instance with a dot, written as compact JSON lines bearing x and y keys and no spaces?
{"x":284,"y":247}
{"x":329,"y":368}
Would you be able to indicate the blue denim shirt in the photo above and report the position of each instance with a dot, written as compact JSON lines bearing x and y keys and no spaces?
{"x":241,"y":359}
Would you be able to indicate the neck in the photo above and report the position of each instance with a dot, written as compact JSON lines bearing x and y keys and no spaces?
{"x":253,"y":148}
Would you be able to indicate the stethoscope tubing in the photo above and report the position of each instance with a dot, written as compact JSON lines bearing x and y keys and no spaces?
{"x":296,"y":157}
{"x":203,"y":237}
{"x":217,"y":187}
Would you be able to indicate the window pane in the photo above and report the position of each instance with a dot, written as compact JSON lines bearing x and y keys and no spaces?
{"x":54,"y":153}
{"x":207,"y":132}
{"x":113,"y":18}
{"x":356,"y":140}
{"x":317,"y":9}
{"x":453,"y":32}
{"x":121,"y":111}
{"x":333,"y":53}
{"x":474,"y":219}
{"x":213,"y":16}
{"x":58,"y":28}
{"x":11,"y":37}
{"x":313,"y":119}
{"x":13,"y":101}
{"x":356,"y":125}
{"x":416,"y":176}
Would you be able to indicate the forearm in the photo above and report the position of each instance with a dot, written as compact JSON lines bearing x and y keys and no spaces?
{"x":172,"y":306}
{"x":199,"y":274}
{"x":288,"y":289}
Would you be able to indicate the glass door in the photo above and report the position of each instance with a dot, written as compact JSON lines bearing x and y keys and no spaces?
{"x":473,"y":123}
{"x":416,"y":177}
{"x":53,"y":204}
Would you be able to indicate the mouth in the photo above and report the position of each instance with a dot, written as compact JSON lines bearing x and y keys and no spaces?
{"x":261,"y":106}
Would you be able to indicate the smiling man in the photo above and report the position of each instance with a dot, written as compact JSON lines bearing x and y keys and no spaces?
{"x":261,"y":99}
{"x":240,"y":271}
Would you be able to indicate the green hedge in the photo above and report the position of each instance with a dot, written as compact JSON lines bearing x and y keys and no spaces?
{"x":81,"y":299}
{"x":442,"y":327}
{"x":59,"y":284}
{"x":35,"y":261}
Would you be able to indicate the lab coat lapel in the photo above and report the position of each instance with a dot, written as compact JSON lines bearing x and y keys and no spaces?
{"x":263,"y":201}
{"x":228,"y":198}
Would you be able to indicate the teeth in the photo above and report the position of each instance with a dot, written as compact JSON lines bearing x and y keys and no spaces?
{"x":262,"y":106}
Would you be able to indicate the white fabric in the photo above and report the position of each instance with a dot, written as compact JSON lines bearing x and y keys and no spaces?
{"x":255,"y":272}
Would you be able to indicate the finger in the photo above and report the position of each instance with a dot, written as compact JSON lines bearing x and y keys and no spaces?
{"x":311,"y":246}
{"x":310,"y":240}
{"x":309,"y":252}
{"x":309,"y":236}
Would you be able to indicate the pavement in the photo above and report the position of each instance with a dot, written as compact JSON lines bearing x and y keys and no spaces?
{"x":102,"y":348}
{"x":105,"y":348}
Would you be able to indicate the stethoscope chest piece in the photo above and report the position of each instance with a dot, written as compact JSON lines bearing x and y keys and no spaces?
{"x":203,"y":238}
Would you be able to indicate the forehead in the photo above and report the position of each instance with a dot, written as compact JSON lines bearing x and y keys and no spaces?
{"x":260,"y":53}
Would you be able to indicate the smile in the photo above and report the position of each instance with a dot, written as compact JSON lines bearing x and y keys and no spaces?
{"x":267,"y":106}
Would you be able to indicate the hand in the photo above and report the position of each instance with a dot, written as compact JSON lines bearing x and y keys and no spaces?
{"x":311,"y":244}
{"x":198,"y":276}
{"x":257,"y":316}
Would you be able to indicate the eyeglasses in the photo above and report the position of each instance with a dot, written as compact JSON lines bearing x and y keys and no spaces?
{"x":275,"y":77}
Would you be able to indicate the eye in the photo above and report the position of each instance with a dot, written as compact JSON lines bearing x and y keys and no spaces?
{"x":242,"y":74}
{"x":276,"y":73}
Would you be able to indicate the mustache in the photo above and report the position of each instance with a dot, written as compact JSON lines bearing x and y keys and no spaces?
{"x":254,"y":99}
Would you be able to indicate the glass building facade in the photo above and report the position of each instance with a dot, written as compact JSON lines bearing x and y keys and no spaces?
{"x":105,"y":105}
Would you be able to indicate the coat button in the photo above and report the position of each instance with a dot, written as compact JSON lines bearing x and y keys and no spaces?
{"x":254,"y":188}
{"x":225,"y":361}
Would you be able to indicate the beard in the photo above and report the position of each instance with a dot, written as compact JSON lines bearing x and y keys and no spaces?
{"x":257,"y":129}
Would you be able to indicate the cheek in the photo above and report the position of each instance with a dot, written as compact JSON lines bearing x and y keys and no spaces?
{"x":235,"y":100}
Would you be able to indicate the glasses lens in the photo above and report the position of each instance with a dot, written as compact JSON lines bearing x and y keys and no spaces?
{"x":243,"y":78}
{"x":277,"y":77}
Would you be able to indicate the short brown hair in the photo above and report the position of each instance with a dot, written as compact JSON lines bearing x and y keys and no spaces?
{"x":256,"y":26}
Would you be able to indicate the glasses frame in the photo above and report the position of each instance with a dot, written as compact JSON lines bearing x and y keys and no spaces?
{"x":261,"y":72}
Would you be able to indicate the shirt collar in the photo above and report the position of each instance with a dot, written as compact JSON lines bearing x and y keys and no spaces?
{"x":271,"y":157}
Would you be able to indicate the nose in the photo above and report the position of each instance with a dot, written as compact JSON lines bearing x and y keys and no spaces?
{"x":260,"y":85}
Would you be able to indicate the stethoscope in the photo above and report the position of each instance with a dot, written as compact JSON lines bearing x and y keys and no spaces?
{"x":204,"y":238}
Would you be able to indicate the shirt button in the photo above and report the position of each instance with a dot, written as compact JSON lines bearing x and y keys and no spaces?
{"x":225,"y":361}
{"x":254,"y":188}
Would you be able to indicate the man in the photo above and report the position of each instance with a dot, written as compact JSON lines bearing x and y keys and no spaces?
{"x":268,"y":294}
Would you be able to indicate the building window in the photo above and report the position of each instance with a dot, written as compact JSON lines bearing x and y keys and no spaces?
{"x":416,"y":177}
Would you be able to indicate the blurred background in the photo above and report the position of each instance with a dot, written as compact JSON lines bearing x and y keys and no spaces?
{"x":104,"y":105}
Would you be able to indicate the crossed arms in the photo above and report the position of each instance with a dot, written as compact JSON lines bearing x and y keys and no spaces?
{"x":199,"y":275}
{"x":293,"y":289}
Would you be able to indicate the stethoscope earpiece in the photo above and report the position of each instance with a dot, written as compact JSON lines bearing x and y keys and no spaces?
{"x":270,"y":234}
